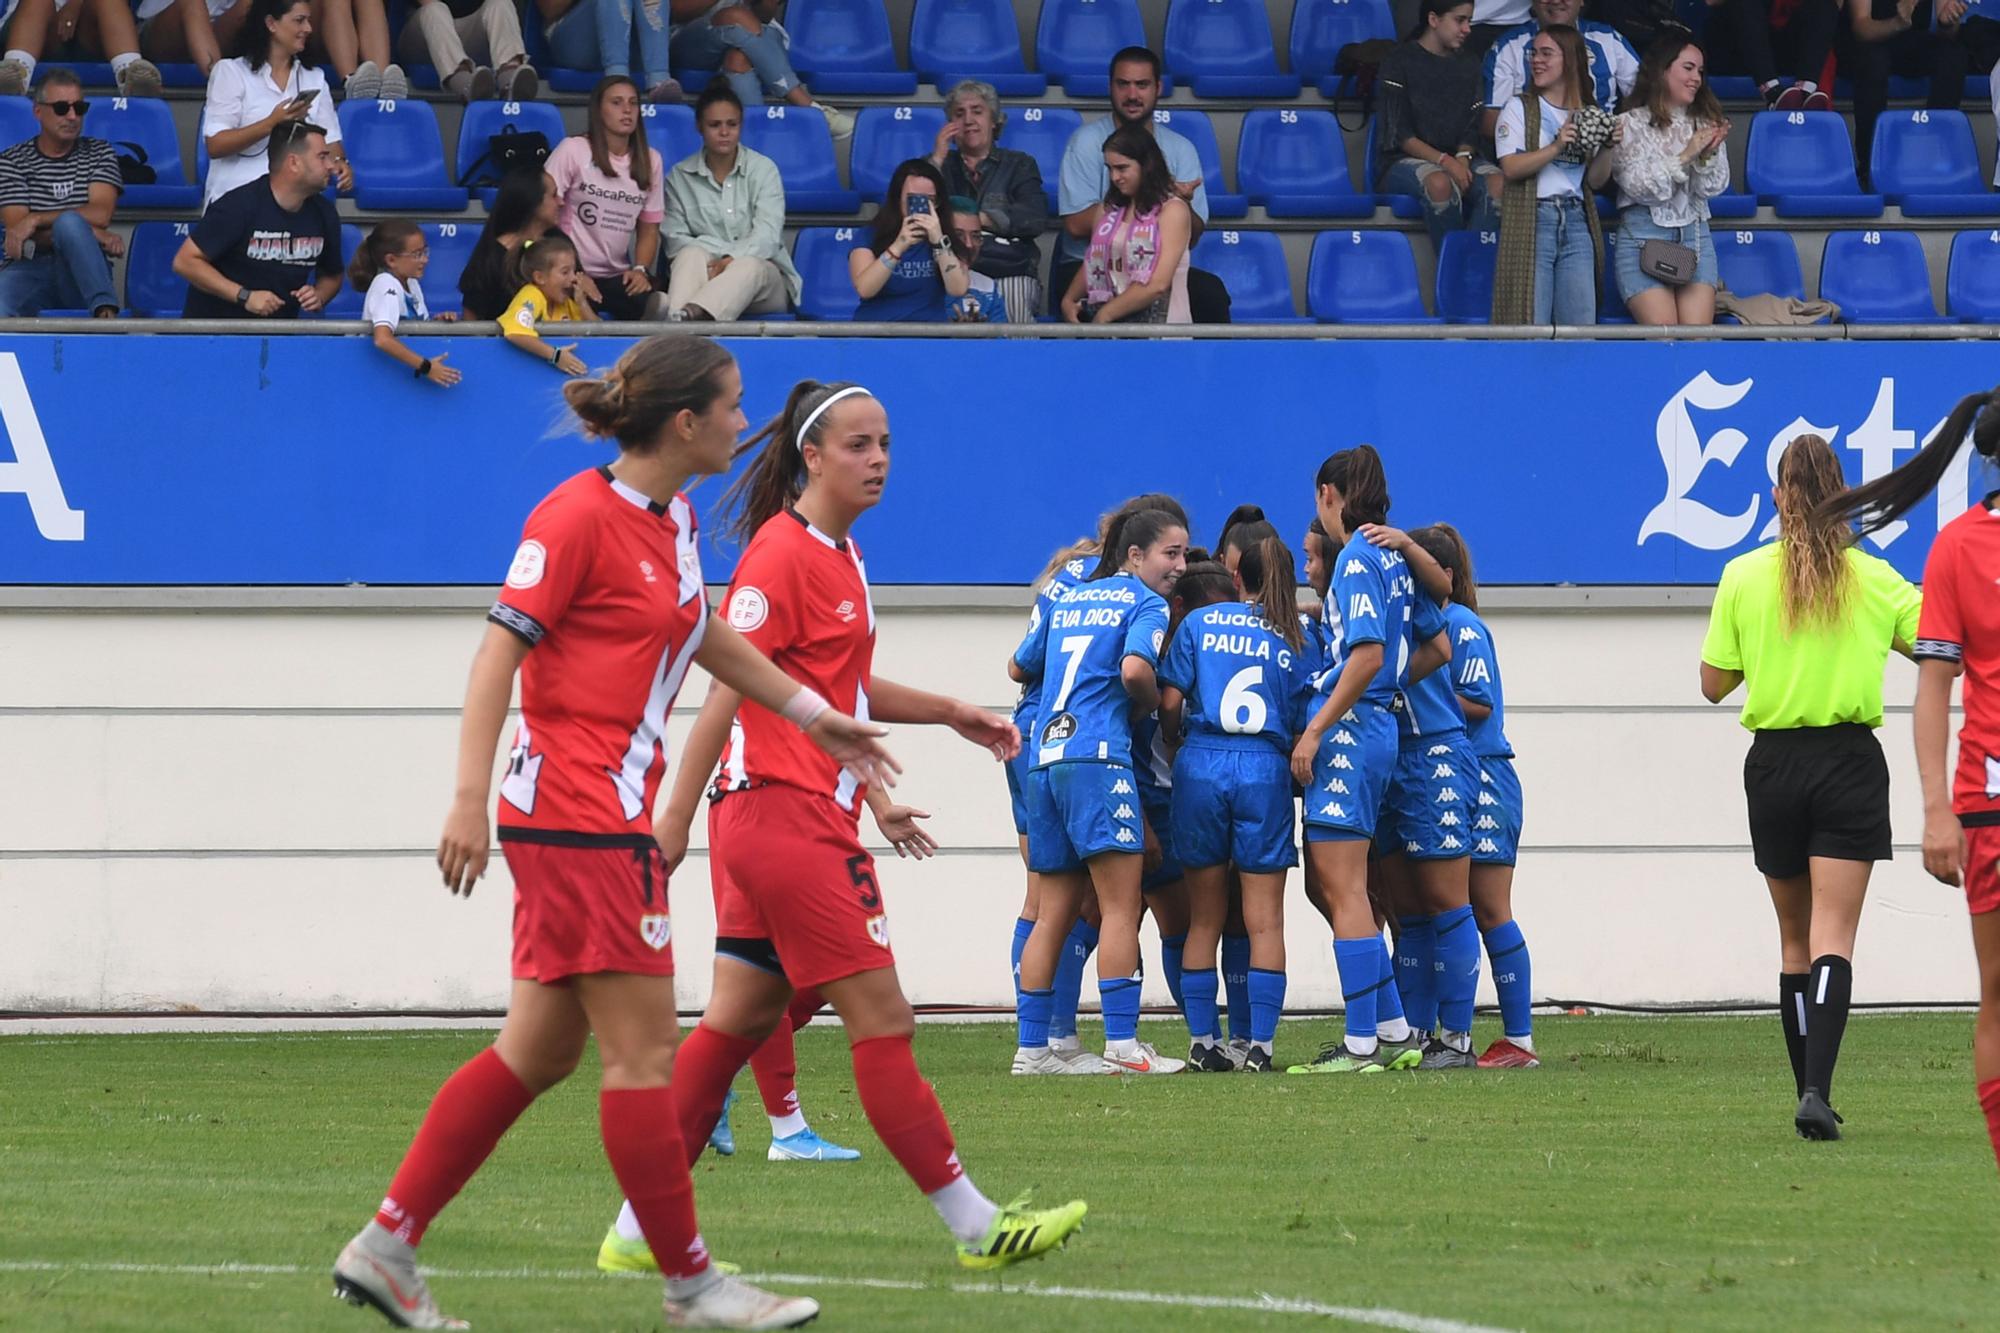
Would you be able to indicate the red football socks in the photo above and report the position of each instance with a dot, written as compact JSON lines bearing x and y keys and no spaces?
{"x":471,"y":1111}
{"x":1989,"y":1102}
{"x":776,"y":1062}
{"x":905,"y":1111}
{"x":644,"y":1144}
{"x":707,"y":1064}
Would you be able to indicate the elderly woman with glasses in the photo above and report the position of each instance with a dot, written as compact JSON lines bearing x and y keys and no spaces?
{"x":1006,"y":185}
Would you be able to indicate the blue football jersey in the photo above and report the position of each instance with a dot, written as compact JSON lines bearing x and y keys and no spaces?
{"x":1072,"y":573}
{"x":1376,"y":602}
{"x":1242,"y":682}
{"x":1475,"y":673}
{"x":1429,"y":707}
{"x":1079,"y":651}
{"x":1149,"y":756}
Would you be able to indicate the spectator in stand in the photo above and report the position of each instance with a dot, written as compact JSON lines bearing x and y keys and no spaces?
{"x":613,"y":193}
{"x":190,"y":31}
{"x":57,"y":193}
{"x":1428,"y":129}
{"x":1613,"y":63}
{"x":1010,"y":205}
{"x":267,"y":83}
{"x":908,"y":272}
{"x":1549,"y":239}
{"x":524,"y":209}
{"x":1492,"y":20}
{"x":1643,"y":22}
{"x":388,"y":270}
{"x":1768,"y":39}
{"x":548,"y":275}
{"x":726,"y":251}
{"x":1135,"y":271}
{"x":982,"y":302}
{"x":75,"y":30}
{"x":605,"y":34}
{"x":1912,"y":39}
{"x":269,"y":249}
{"x":743,"y":41}
{"x":1669,"y":163}
{"x":478,"y":41}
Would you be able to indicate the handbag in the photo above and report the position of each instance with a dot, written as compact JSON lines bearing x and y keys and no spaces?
{"x":133,"y":168}
{"x":1669,"y":262}
{"x":509,"y":150}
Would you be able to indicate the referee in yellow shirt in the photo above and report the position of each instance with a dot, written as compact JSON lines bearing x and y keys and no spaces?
{"x":1807,"y":623}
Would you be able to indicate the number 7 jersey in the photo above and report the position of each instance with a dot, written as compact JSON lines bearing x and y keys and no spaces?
{"x":1079,"y":651}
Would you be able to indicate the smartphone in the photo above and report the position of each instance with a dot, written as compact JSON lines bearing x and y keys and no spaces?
{"x":920,"y":203}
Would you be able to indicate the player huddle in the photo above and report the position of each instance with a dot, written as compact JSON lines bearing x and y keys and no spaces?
{"x":1181,"y":714}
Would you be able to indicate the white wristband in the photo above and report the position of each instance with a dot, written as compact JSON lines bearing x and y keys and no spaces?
{"x":804,"y":708}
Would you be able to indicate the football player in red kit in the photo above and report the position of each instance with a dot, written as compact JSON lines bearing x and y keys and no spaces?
{"x":799,"y":906}
{"x":601,"y":614}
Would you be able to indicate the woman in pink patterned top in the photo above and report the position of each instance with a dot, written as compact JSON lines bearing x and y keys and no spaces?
{"x":613,"y":192}
{"x":1136,"y":268}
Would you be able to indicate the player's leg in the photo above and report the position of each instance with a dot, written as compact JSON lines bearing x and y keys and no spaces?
{"x":1445,"y":889}
{"x":1340,"y":860}
{"x":1839,"y":888}
{"x":1264,"y":919}
{"x":1986,"y":945}
{"x":540,"y":1042}
{"x":1236,"y":970}
{"x":1017,"y":770}
{"x":776,"y":1068}
{"x":1416,"y":942}
{"x":1072,"y":967}
{"x":1261,"y":846}
{"x":1791,"y":900}
{"x":1049,"y":973}
{"x":1507,"y":956}
{"x":1208,"y":904}
{"x":1164,"y":893}
{"x":1115,"y":876}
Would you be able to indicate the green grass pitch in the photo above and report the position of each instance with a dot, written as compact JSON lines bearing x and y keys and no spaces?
{"x":1645,"y":1178}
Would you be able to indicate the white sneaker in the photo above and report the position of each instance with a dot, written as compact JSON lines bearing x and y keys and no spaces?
{"x":839,"y":122}
{"x":730,"y":1302}
{"x":1141,"y":1059}
{"x":14,"y":77}
{"x":379,"y":1270}
{"x":365,"y":83}
{"x":1238,"y":1051}
{"x":395,"y":84}
{"x":1047,"y":1061}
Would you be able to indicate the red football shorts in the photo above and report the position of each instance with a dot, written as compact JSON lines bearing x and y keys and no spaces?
{"x":579,"y":910}
{"x":1982,"y":869}
{"x":788,"y":867}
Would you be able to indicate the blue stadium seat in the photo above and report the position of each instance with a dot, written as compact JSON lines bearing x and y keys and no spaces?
{"x":1878,"y":277}
{"x":1972,"y":283}
{"x":884,"y":138}
{"x":398,"y":156}
{"x":147,"y":124}
{"x":1294,"y":164}
{"x":1610,"y":303}
{"x":1465,"y":276}
{"x":820,"y":255}
{"x":346,"y":304}
{"x":151,"y":288}
{"x":1802,"y":163}
{"x":971,"y":39}
{"x":798,"y":141}
{"x":1224,"y":48}
{"x":451,"y":245}
{"x":483,"y":120}
{"x":1752,"y":262}
{"x":17,"y":120}
{"x":1075,"y":40}
{"x":670,"y":130}
{"x":1321,"y":27}
{"x":1252,"y":266}
{"x":1926,"y":162}
{"x":1399,"y":205}
{"x":1042,"y":132}
{"x":1364,"y":277}
{"x":1732,"y":204}
{"x":1198,"y":129}
{"x":558,"y":78}
{"x":844,"y":46}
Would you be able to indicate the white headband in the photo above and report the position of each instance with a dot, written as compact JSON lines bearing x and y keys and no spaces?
{"x":815,"y":414}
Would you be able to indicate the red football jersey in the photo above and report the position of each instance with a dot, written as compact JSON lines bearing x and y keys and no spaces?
{"x":1961,"y":623}
{"x":606,"y":589}
{"x":802,"y":598}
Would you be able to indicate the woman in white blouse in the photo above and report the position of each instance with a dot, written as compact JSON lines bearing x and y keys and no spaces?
{"x":265,"y":83}
{"x":1670,"y":163}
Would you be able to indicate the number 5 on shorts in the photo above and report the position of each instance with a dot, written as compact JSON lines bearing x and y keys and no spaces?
{"x":861,"y":870}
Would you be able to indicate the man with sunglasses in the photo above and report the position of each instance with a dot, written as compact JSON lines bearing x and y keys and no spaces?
{"x":57,"y":194}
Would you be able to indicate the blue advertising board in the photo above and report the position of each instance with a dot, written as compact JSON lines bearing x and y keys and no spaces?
{"x":184,"y":459}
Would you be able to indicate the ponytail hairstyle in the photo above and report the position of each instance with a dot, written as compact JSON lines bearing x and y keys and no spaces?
{"x":1364,"y":490}
{"x":1271,"y":581}
{"x":1813,"y":574}
{"x":1444,"y":545}
{"x":774,"y":482}
{"x":1110,"y":528}
{"x":532,"y":258}
{"x":1197,"y":555}
{"x":371,"y":257}
{"x":1882,"y":501}
{"x":1237,"y":516}
{"x":1205,"y":583}
{"x":1243,"y":536}
{"x":1081,"y":548}
{"x":655,"y":381}
{"x":1142,"y":530}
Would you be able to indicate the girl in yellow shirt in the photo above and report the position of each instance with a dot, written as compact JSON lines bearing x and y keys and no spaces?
{"x":546,"y":275}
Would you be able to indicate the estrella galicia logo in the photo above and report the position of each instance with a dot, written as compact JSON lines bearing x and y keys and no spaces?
{"x":1060,"y":728}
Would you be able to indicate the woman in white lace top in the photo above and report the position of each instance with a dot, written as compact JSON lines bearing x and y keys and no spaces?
{"x":1670,"y":163}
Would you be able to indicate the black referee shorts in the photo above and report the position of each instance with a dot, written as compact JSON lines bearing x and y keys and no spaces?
{"x":1816,"y":791}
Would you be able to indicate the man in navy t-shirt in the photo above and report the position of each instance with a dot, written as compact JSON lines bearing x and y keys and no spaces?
{"x":269,"y":249}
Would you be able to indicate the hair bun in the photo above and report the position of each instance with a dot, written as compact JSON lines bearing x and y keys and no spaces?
{"x":1986,"y":430}
{"x":598,"y":404}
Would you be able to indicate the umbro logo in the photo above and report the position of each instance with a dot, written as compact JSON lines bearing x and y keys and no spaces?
{"x":1121,"y":788}
{"x":845,"y":611}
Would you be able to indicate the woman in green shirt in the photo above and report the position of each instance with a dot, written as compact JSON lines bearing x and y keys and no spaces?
{"x":1807,"y":623}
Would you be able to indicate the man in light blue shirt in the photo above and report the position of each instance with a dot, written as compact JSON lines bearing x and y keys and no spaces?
{"x":1135,"y":90}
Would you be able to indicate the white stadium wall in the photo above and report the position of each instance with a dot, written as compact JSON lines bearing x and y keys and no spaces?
{"x":236,"y":810}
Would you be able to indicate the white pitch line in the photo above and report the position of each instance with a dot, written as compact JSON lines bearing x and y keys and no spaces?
{"x":1262,"y":1303}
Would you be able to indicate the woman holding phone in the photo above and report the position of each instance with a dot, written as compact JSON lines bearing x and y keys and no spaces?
{"x":909,"y":270}
{"x":266,"y":83}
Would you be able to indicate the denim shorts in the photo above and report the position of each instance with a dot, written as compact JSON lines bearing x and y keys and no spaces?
{"x":1636,"y":227}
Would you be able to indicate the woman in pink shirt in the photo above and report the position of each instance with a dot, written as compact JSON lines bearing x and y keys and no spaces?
{"x":1135,"y":270}
{"x":612,"y":188}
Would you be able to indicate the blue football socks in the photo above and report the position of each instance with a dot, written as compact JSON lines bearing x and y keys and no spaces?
{"x":1198,"y":988}
{"x":1457,"y":953}
{"x":1070,"y":965}
{"x":1267,"y":1001}
{"x":1236,"y":981}
{"x":1022,"y":929}
{"x":1507,"y":955}
{"x":1032,"y":1017}
{"x":1416,"y":976}
{"x":1170,"y":963}
{"x":1360,"y":965}
{"x":1120,"y":998}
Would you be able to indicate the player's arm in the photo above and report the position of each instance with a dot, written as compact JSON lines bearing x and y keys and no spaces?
{"x":463,"y":849}
{"x":734,"y":661}
{"x":1944,"y":836}
{"x":1721,"y":652}
{"x":699,"y":753}
{"x":1141,"y":682}
{"x":1431,"y":654}
{"x":1716,"y":683}
{"x":1171,"y":702}
{"x":1475,"y":712}
{"x":899,"y":827}
{"x":890,"y":702}
{"x":1364,"y":660}
{"x":1424,"y":568}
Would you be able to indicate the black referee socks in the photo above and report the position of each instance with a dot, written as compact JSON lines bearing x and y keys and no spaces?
{"x":1829,"y":988}
{"x":1792,"y":1014}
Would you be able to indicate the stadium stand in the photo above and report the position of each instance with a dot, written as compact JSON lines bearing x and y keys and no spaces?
{"x":1199,"y":130}
{"x":1364,"y":277}
{"x":844,"y":47}
{"x":1802,"y":164}
{"x":1321,"y":27}
{"x":799,"y":142}
{"x":1751,"y":262}
{"x":952,"y":40}
{"x":820,"y":254}
{"x":1042,"y":132}
{"x":1223,"y":48}
{"x":152,"y":288}
{"x":1252,"y":266}
{"x":143,"y":128}
{"x":1465,"y":276}
{"x":1972,"y":283}
{"x":1292,"y":164}
{"x":1075,"y":40}
{"x":884,"y":138}
{"x":1927,"y":164}
{"x":404,"y":153}
{"x":1878,"y":277}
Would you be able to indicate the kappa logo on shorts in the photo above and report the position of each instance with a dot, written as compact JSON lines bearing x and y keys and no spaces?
{"x":1121,"y":788}
{"x":1445,"y":796}
{"x":1437,"y":750}
{"x":1341,"y":761}
{"x":1443,"y":771}
{"x":1485,"y":777}
{"x":1487,"y":847}
{"x":1488,"y":798}
{"x":748,"y":608}
{"x":656,"y":930}
{"x":1412,"y":849}
{"x":1337,"y":787}
{"x":1331,"y":810}
{"x":1122,"y":812}
{"x":1450,"y":843}
{"x":1486,"y":824}
{"x":1343,"y":737}
{"x":530,"y":561}
{"x":878,"y":930}
{"x":1449,"y":819}
{"x":1126,"y":835}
